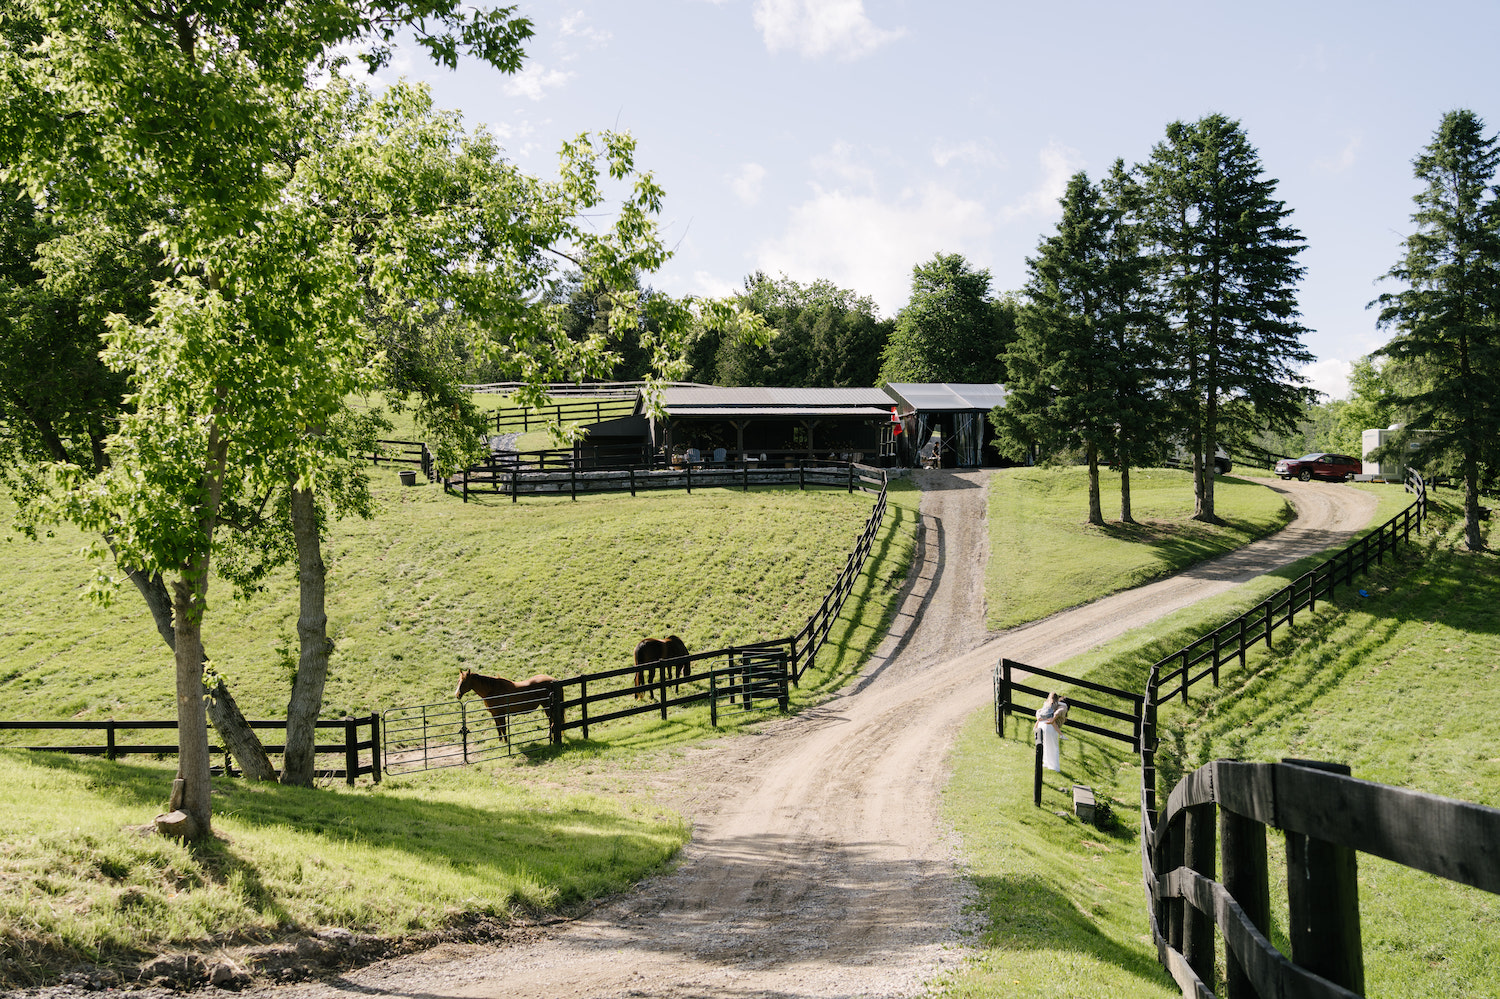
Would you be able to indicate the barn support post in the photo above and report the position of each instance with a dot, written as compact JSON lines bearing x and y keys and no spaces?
{"x":1323,"y":903}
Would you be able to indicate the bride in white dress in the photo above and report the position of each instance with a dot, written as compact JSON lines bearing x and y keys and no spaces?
{"x":1049,"y":722}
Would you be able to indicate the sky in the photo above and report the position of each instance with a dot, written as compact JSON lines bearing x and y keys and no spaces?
{"x":853,"y":139}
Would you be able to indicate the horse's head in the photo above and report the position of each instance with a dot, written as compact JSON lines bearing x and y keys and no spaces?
{"x":465,"y":683}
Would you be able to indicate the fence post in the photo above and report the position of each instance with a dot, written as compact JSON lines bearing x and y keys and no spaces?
{"x":851,"y":476}
{"x":713,"y":698}
{"x":1002,"y":695}
{"x":1148,"y":744}
{"x":573,"y":481}
{"x":583,"y":705}
{"x":785,"y":700}
{"x":1323,"y":903}
{"x":1036,"y":783}
{"x":631,"y":470}
{"x":555,"y":713}
{"x":1242,"y":844}
{"x":1199,"y":848}
{"x":109,"y":740}
{"x":801,"y":474}
{"x":351,"y":749}
{"x":688,"y":467}
{"x":376,"y":746}
{"x":1242,"y":640}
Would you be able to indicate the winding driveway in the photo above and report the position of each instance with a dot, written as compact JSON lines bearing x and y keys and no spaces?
{"x":819,"y":864}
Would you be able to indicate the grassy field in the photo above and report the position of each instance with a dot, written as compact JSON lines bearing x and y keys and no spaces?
{"x":1368,"y":680}
{"x":1038,"y":517}
{"x":429,"y":586}
{"x":433,"y":585}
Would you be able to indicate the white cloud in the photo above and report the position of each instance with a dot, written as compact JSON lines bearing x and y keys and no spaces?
{"x":970,"y":152}
{"x":534,"y":80}
{"x":576,"y":25}
{"x":841,"y":163}
{"x":1342,"y":160}
{"x":746,"y":184}
{"x":867,"y":244}
{"x":1330,"y":377}
{"x":816,"y":28}
{"x":1058,"y":163}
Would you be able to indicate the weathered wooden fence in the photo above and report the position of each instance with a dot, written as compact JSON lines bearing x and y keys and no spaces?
{"x":1222,"y":809}
{"x":360,"y":754}
{"x":806,"y":643}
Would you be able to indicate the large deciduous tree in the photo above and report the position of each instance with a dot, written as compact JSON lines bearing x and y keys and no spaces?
{"x":952,"y":329}
{"x":239,"y":372}
{"x":1228,"y":276}
{"x":1447,"y":319}
{"x":817,"y":335}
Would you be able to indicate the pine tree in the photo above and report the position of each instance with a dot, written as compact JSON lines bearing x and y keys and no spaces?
{"x":1228,"y":275}
{"x":1447,"y":321}
{"x":1081,"y":370}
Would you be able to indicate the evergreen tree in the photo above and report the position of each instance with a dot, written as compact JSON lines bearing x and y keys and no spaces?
{"x":1447,"y":320}
{"x":952,"y":330}
{"x":1227,"y":276}
{"x":1081,"y":370}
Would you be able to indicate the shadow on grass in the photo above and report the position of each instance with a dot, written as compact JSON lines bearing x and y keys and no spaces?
{"x":573,"y":851}
{"x":1027,"y":913}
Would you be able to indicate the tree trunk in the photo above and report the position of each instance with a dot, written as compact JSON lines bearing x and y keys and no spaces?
{"x":1473,"y":536}
{"x":1125,"y":515}
{"x":189,"y":818}
{"x":312,"y":634}
{"x":238,"y":737}
{"x":1096,"y":507}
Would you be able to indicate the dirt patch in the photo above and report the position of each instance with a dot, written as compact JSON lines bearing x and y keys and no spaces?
{"x":819,"y":864}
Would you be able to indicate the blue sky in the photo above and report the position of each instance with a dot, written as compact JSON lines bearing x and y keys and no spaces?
{"x":852,"y":139}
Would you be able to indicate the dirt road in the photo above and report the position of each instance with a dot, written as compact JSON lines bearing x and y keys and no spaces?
{"x":819,"y":865}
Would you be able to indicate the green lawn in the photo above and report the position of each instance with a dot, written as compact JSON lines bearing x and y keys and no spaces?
{"x":1038,"y":520}
{"x":1368,"y":680}
{"x":429,"y":586}
{"x":433,"y":585}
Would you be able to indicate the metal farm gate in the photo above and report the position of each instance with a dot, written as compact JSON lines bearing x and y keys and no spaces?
{"x":453,"y":734}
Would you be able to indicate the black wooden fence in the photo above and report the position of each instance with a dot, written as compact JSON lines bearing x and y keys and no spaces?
{"x":1328,"y":818}
{"x":405,"y":453}
{"x":503,"y":476}
{"x":360,"y":753}
{"x":596,"y":409}
{"x":1222,"y":811}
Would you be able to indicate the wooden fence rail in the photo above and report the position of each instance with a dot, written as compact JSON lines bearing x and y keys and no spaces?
{"x":806,"y":643}
{"x":503,"y":476}
{"x":597,"y":409}
{"x":354,"y":747}
{"x":405,"y":453}
{"x":1328,"y":818}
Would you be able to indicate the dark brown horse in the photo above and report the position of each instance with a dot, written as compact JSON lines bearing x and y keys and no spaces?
{"x":507,"y":697}
{"x":650,"y":651}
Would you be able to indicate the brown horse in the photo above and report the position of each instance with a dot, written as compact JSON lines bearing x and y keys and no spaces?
{"x":650,"y":651}
{"x":507,"y":697}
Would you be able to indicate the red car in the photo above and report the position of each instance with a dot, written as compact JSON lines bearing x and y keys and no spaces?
{"x":1321,"y":465}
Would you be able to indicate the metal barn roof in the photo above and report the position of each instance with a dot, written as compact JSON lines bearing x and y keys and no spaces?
{"x":768,"y":401}
{"x":929,"y":397}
